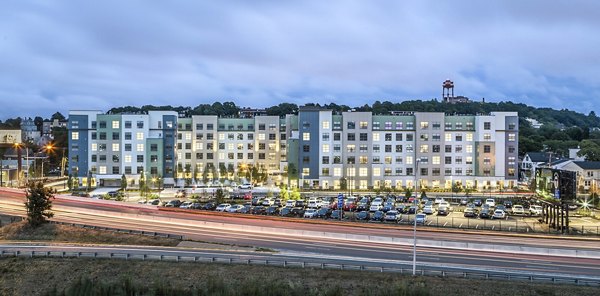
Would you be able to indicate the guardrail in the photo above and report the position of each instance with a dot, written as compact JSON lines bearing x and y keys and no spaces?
{"x":120,"y":230}
{"x":429,"y":271}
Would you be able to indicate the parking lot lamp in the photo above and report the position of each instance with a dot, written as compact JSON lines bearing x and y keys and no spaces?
{"x":415,"y":219}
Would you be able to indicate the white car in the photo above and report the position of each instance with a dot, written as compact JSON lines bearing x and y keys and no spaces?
{"x":499,"y":214}
{"x":268,"y":202}
{"x":374,"y":208}
{"x":377,"y":202}
{"x":234,"y":208}
{"x":185,"y":205}
{"x":428,"y":210}
{"x":421,"y":218}
{"x":222,"y":207}
{"x":535,"y":210}
{"x":314,"y":203}
{"x":245,"y":186}
{"x":445,"y":204}
{"x":290,"y":203}
{"x":518,"y":210}
{"x":439,"y":200}
{"x":490,"y":202}
{"x":310,"y":213}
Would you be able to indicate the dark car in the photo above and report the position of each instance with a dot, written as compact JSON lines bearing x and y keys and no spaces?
{"x":337,"y":214}
{"x":424,"y":200}
{"x":286,"y":212}
{"x":501,"y":207}
{"x":363,"y":204}
{"x":413,"y":209}
{"x":259,"y":210}
{"x":402,"y":208}
{"x":508,"y":204}
{"x":485,"y":214}
{"x":175,"y":203}
{"x":256,"y":201}
{"x":277,"y":202}
{"x":247,"y":209}
{"x":477,"y":202}
{"x":273,"y":210}
{"x":323,"y":213}
{"x":362,"y":216}
{"x":378,"y":216}
{"x":300,"y":204}
{"x":297,"y":212}
{"x":471,"y":213}
{"x":387,"y":206}
{"x":209,"y":206}
{"x":195,"y":206}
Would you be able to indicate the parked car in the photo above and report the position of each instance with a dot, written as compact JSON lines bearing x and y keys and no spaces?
{"x":259,"y":210}
{"x":185,"y":205}
{"x":362,"y":216}
{"x":297,"y":212}
{"x":413,"y":209}
{"x":377,"y":202}
{"x":518,"y":210}
{"x":310,"y":213}
{"x":235,"y":208}
{"x":277,"y":202}
{"x":535,"y":210}
{"x":286,"y":212}
{"x":485,"y":214}
{"x":477,"y":202}
{"x":507,"y":204}
{"x":499,"y":214}
{"x":323,"y":213}
{"x":222,"y":207}
{"x":470,"y":213}
{"x":421,"y":218}
{"x":464,"y":201}
{"x":387,"y":206}
{"x":256,"y":201}
{"x":350,"y":203}
{"x":245,"y":186}
{"x":336,"y":214}
{"x":247,"y":209}
{"x":175,"y":203}
{"x":501,"y":207}
{"x":392,"y":216}
{"x":401,"y":208}
{"x":490,"y":202}
{"x":268,"y":202}
{"x":209,"y":206}
{"x":424,"y":200}
{"x":378,"y":216}
{"x":154,"y":202}
{"x":363,"y":205}
{"x":374,"y":207}
{"x":438,"y":200}
{"x":273,"y":210}
{"x":300,"y":204}
{"x":428,"y":209}
{"x":290,"y":203}
{"x":443,"y":211}
{"x":314,"y":204}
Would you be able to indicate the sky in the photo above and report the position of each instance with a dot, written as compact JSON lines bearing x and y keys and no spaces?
{"x":95,"y":55}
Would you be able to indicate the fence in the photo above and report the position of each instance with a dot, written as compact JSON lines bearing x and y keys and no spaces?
{"x":429,"y":271}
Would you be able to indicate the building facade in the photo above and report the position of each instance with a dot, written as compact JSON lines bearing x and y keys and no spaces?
{"x":316,"y":147}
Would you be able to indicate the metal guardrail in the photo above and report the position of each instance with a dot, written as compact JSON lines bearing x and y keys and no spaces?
{"x":455,"y":273}
{"x":120,"y":230}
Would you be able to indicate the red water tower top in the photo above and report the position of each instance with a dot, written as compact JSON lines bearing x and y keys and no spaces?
{"x":448,"y":84}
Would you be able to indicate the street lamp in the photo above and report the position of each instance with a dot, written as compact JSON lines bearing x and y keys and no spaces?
{"x":415,"y":221}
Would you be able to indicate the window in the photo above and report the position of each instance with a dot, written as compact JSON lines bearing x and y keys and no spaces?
{"x":448,"y":171}
{"x":325,"y":136}
{"x":337,"y":136}
{"x":511,"y":149}
{"x":375,"y":137}
{"x":388,"y":137}
{"x":325,"y":124}
{"x":399,"y":125}
{"x":102,"y":136}
{"x":458,"y":149}
{"x":306,"y":148}
{"x":127,"y":135}
{"x":139,"y":136}
{"x":325,"y":148}
{"x":398,"y":136}
{"x":305,"y":171}
{"x":459,"y":138}
{"x":325,"y":160}
{"x":448,"y":137}
{"x":115,"y":136}
{"x":272,"y":137}
{"x":337,"y":159}
{"x":305,"y":136}
{"x":351,"y":125}
{"x":363,"y":172}
{"x":351,"y":160}
{"x":448,"y":160}
{"x":75,"y":135}
{"x":458,"y":125}
{"x":435,"y":172}
{"x":424,"y":148}
{"x":140,"y":158}
{"x":424,"y":125}
{"x":511,"y":126}
{"x":388,"y":125}
{"x":199,"y":126}
{"x":436,"y":137}
{"x":115,"y":147}
{"x":409,"y":137}
{"x":351,"y":137}
{"x":435,"y":148}
{"x":376,"y":172}
{"x":435,"y":160}
{"x":102,"y":170}
{"x":325,"y":171}
{"x":487,"y":137}
{"x":487,"y":125}
{"x":140,"y":124}
{"x":128,"y":170}
{"x":376,"y":148}
{"x":102,"y":124}
{"x":337,"y":172}
{"x":436,"y":125}
{"x":115,"y":124}
{"x":350,"y":148}
{"x":140,"y":148}
{"x":409,"y":171}
{"x":94,"y":136}
{"x":363,"y":125}
{"x":363,"y":137}
{"x":487,"y":149}
{"x":388,"y":148}
{"x":409,"y":160}
{"x":469,"y":160}
{"x":469,"y":148}
{"x":399,"y":148}
{"x":487,"y":160}
{"x":469,"y":137}
{"x":511,"y":137}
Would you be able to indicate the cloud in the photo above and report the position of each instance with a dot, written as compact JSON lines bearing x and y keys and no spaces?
{"x":64,"y":55}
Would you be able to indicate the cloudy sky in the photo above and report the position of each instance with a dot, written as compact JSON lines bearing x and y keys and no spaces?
{"x":62,"y":55}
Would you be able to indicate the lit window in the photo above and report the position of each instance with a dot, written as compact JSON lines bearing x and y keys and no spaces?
{"x":488,"y":137}
{"x":115,"y":124}
{"x":424,"y":125}
{"x":325,"y":124}
{"x":222,"y":137}
{"x":469,"y":137}
{"x":115,"y":146}
{"x":94,"y":147}
{"x":261,"y":137}
{"x":325,"y":148}
{"x":363,"y":125}
{"x":376,"y":172}
{"x":188,"y":136}
{"x":424,"y":148}
{"x":376,"y":137}
{"x":469,"y":148}
{"x":337,"y":172}
{"x":127,"y":158}
{"x":139,"y":136}
{"x":75,"y":135}
{"x":511,"y":137}
{"x":363,"y":172}
{"x":351,"y":171}
{"x":305,"y":171}
{"x":435,"y":160}
{"x":448,"y":137}
{"x":306,"y":136}
{"x":102,"y":170}
{"x":409,"y":160}
{"x":140,"y":148}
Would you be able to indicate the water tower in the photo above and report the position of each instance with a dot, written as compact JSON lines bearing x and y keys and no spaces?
{"x":447,"y":90}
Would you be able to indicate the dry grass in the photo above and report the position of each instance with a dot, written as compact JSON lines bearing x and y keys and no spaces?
{"x":64,"y":233}
{"x":37,"y":276}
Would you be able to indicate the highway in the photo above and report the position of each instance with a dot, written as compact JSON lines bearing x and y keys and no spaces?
{"x":236,"y":230}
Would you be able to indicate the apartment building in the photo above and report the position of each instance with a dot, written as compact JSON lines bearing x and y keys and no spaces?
{"x":104,"y":147}
{"x":324,"y":150}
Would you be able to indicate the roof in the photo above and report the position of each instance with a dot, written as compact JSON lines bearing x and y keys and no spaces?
{"x":538,"y":156}
{"x":560,"y":161}
{"x":588,"y":165}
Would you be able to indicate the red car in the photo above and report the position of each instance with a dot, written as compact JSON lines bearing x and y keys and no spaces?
{"x":350,"y":204}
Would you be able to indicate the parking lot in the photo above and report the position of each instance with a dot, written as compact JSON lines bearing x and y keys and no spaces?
{"x":358,"y":209}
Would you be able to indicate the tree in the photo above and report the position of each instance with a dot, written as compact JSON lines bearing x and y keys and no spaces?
{"x":590,"y":150}
{"x":295,"y":194}
{"x":70,"y":182}
{"x":407,"y":193}
{"x":38,"y":204}
{"x":343,"y":183}
{"x":58,"y":116}
{"x":123,"y":183}
{"x":220,"y":196}
{"x":283,"y":193}
{"x":188,"y":174}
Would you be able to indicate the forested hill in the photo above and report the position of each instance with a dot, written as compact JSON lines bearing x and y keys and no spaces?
{"x":550,"y":116}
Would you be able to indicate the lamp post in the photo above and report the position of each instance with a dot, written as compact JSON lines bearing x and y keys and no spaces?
{"x":415,"y":220}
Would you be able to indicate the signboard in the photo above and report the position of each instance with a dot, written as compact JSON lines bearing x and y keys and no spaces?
{"x":559,"y":185}
{"x":340,"y":201}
